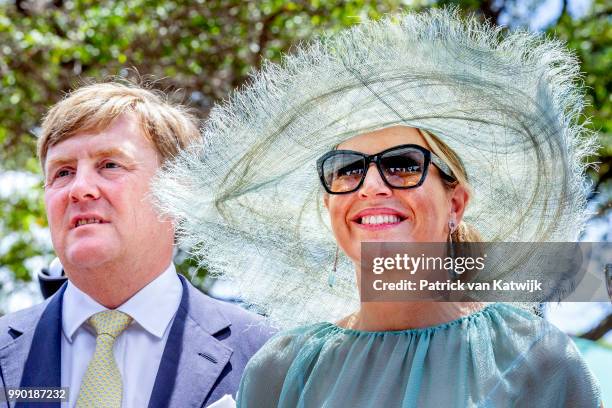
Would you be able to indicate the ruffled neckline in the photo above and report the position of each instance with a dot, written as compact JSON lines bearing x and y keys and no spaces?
{"x":482,"y":313}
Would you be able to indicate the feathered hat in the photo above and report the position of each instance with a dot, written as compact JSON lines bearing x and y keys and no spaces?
{"x":248,"y":201}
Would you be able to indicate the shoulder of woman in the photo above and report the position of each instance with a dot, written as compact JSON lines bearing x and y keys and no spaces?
{"x":280,"y":350}
{"x":542,"y":351}
{"x":532,"y":336}
{"x":264,"y":376}
{"x":556,"y":372}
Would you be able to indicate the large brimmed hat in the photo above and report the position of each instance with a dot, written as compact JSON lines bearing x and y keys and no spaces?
{"x":248,"y":201}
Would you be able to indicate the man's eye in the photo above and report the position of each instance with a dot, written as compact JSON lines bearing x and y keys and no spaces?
{"x":62,"y":173}
{"x":110,"y":165}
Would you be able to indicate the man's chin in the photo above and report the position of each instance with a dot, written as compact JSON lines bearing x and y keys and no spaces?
{"x":88,"y":256}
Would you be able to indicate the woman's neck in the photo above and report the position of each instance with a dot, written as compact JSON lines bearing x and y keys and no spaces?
{"x":387,"y":316}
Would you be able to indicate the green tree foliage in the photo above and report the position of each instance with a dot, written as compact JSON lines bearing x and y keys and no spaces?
{"x":591,"y":38}
{"x":205,"y":48}
{"x":199,"y":50}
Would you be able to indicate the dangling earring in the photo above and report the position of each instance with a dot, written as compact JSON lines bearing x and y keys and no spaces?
{"x":451,"y":229}
{"x":331,"y":278}
{"x":451,"y":246}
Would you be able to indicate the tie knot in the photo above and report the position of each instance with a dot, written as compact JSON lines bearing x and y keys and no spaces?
{"x":111,"y":322}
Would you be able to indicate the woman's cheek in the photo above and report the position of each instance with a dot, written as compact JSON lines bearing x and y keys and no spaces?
{"x":341,"y":227}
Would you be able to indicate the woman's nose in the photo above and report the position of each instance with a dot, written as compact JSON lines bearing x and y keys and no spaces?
{"x":373,"y":185}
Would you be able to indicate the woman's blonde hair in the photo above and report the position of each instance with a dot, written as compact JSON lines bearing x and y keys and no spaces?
{"x":464,"y":232}
{"x":170,"y":127}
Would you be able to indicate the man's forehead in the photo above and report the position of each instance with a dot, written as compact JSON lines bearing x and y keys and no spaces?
{"x":77,"y":147}
{"x":72,"y":151}
{"x":120,"y":131}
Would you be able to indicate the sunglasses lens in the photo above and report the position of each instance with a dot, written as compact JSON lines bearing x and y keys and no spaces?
{"x":342,"y":172}
{"x":403,"y":167}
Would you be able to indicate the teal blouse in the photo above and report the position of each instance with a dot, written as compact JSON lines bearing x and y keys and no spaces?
{"x":501,"y":356}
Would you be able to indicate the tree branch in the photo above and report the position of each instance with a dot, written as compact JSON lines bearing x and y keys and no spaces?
{"x":600,"y":330}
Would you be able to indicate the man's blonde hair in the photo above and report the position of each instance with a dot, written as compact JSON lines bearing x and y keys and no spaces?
{"x":170,"y":127}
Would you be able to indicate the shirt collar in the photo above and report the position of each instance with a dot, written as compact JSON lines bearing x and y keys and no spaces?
{"x":153,"y":307}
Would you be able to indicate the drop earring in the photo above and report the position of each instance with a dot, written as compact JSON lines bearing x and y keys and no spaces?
{"x":331,"y":278}
{"x":451,"y":246}
{"x":451,"y":229}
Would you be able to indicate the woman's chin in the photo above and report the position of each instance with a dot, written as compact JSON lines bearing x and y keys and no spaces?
{"x":385,"y":233}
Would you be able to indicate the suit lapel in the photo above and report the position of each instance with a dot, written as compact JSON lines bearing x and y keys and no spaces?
{"x":34,"y":359}
{"x":12,"y":358}
{"x":193,"y":358}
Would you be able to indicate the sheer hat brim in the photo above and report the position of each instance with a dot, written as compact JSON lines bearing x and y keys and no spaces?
{"x":248,"y":201}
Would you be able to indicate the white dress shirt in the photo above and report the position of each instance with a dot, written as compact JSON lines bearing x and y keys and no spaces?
{"x":138,"y":350}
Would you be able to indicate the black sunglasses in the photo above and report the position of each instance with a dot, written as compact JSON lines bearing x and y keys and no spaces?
{"x":402,"y":167}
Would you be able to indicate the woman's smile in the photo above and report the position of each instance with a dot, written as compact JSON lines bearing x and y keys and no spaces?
{"x":378,"y":218}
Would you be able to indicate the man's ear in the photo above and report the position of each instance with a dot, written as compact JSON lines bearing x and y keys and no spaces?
{"x":459,"y":201}
{"x":326,"y":200}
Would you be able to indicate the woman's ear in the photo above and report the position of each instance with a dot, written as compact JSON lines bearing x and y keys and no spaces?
{"x":326,"y":200}
{"x":459,"y":200}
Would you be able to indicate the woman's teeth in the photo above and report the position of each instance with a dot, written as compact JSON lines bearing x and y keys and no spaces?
{"x":380,"y":219}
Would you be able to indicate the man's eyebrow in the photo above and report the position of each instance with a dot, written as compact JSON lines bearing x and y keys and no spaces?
{"x":111,"y":152}
{"x":60,"y":161}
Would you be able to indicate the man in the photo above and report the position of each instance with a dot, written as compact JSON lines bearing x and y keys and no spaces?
{"x":125,"y":330}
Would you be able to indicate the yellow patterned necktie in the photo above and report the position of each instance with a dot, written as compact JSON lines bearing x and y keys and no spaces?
{"x":102,"y":386}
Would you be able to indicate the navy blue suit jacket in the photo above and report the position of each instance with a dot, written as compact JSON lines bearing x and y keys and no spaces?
{"x":208,"y":346}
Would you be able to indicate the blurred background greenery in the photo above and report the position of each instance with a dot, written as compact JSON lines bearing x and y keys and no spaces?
{"x":200,"y":51}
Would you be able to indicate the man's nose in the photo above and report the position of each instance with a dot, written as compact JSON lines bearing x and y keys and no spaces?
{"x":374,"y":185}
{"x":84,"y":185}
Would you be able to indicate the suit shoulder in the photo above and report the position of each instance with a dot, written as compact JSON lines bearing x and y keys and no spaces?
{"x":245,"y":329}
{"x":24,"y":317}
{"x":238,"y":314}
{"x":20,"y":321}
{"x":244,"y":321}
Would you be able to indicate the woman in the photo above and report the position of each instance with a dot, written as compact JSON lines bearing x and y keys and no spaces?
{"x":401,"y":114}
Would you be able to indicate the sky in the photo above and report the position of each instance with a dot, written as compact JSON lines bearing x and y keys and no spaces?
{"x":549,"y":11}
